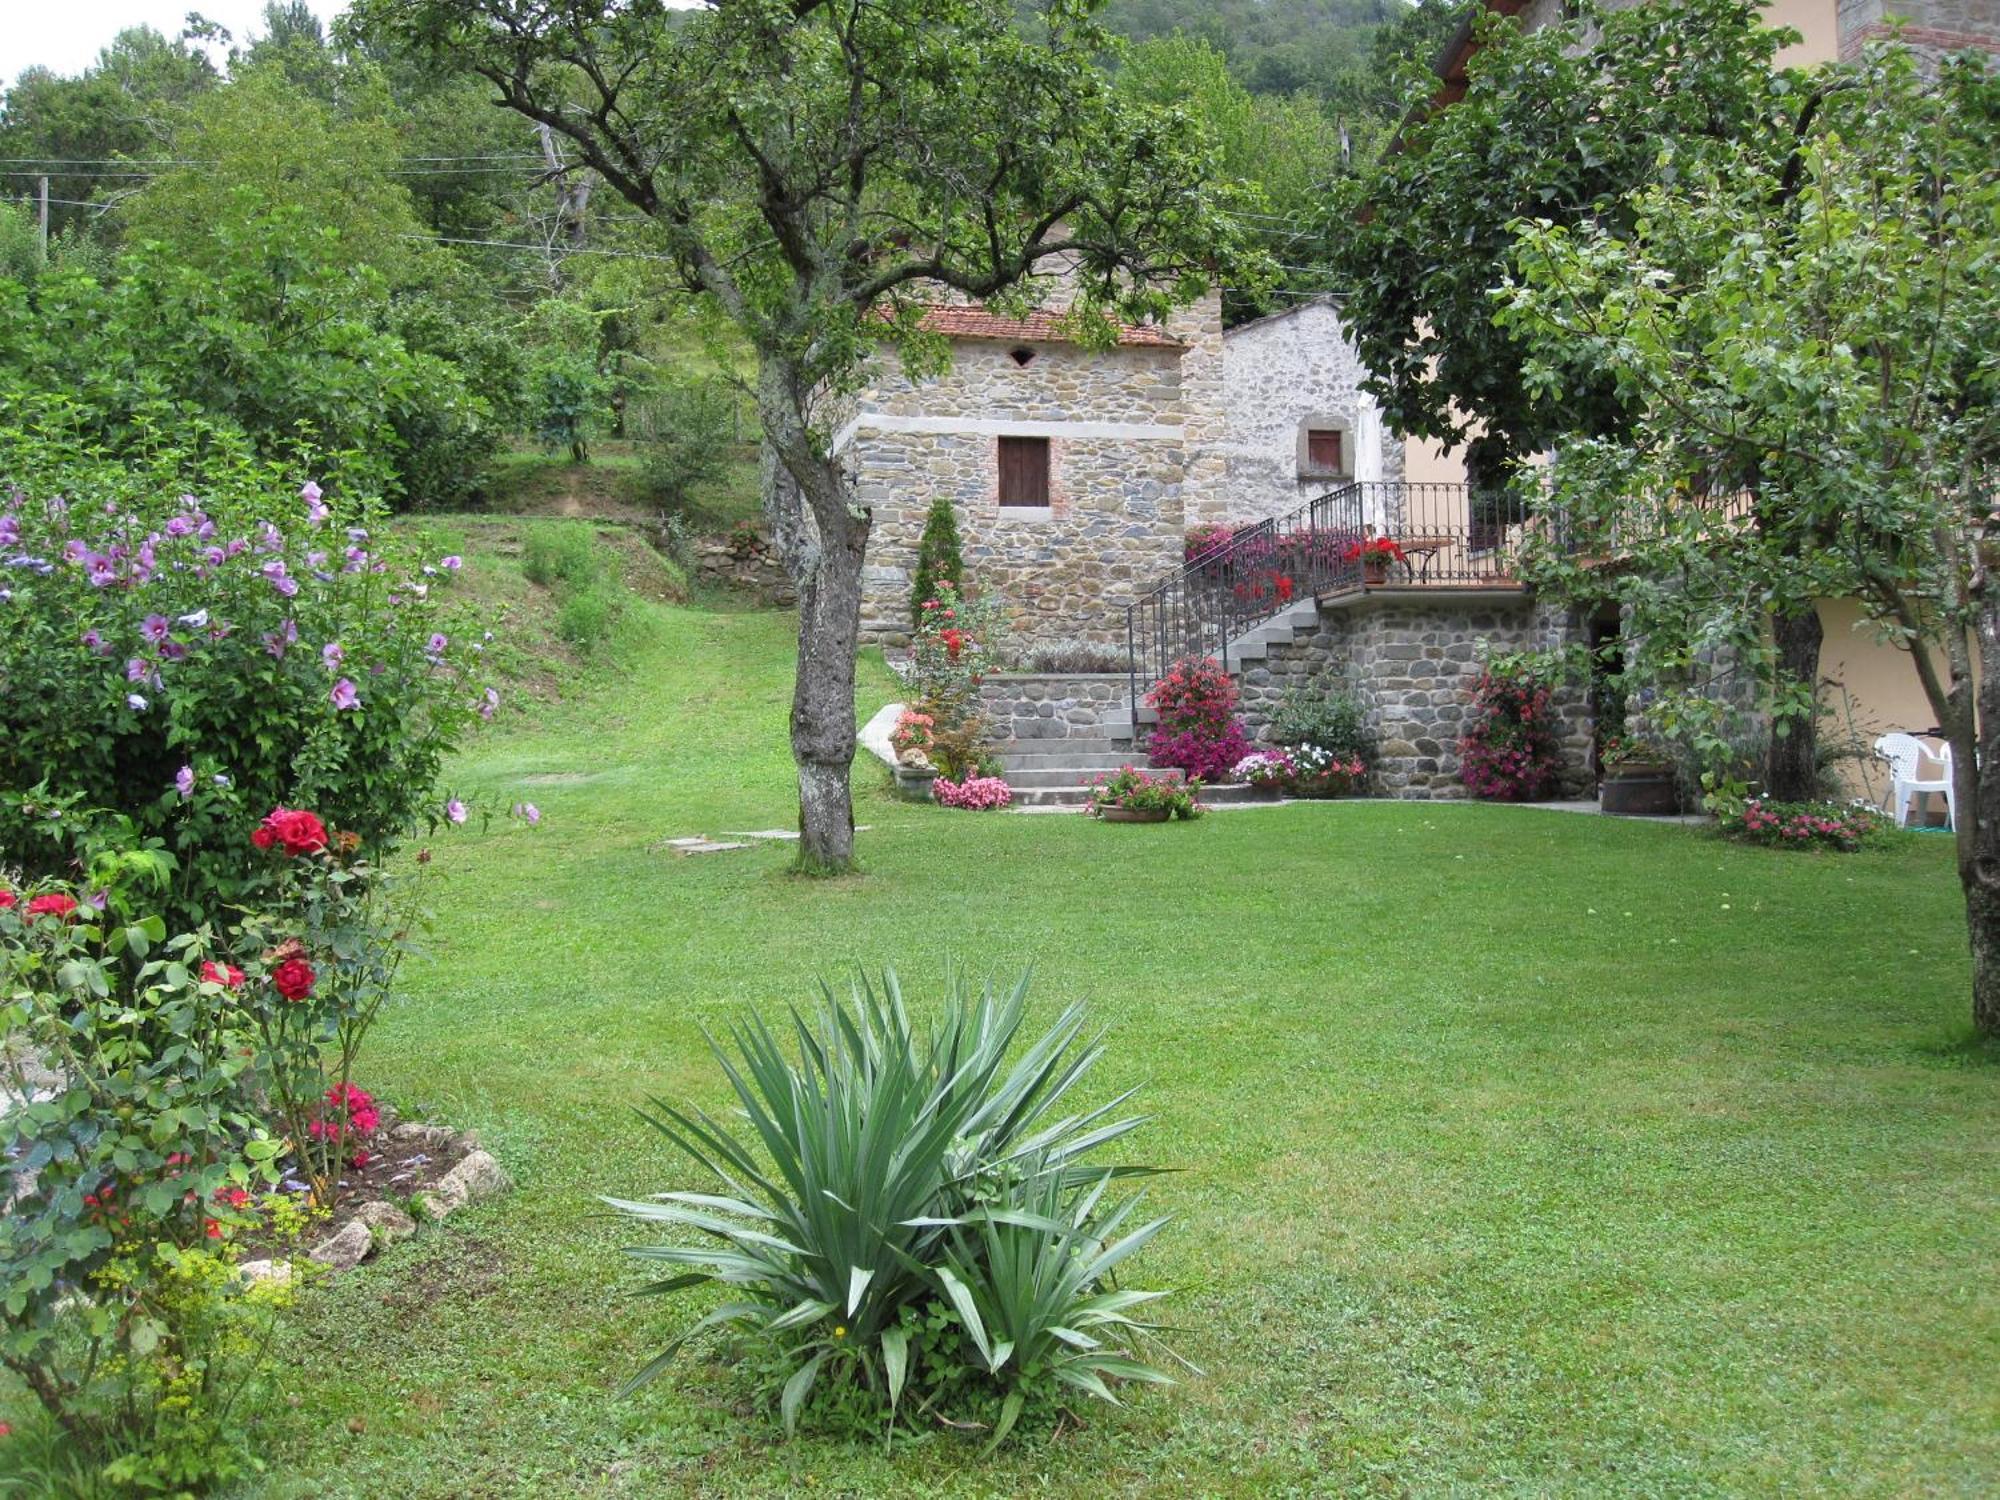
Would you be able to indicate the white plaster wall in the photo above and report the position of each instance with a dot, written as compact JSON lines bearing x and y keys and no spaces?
{"x":1279,"y":374}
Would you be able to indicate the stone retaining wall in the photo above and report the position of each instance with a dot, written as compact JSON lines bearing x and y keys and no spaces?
{"x":1051,"y":706}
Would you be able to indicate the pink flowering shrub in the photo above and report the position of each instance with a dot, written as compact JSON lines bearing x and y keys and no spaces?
{"x":1265,"y":769}
{"x":347,"y":1122}
{"x":974,"y":794}
{"x":1511,"y":753}
{"x":182,"y":652}
{"x":1198,"y":732}
{"x":1802,"y":825}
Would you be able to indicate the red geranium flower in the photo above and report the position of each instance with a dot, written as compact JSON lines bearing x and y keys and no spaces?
{"x":223,"y":974}
{"x":294,"y":978}
{"x":55,"y":902}
{"x":298,"y":831}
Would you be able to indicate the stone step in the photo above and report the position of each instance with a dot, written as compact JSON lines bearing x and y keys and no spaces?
{"x":1103,"y":760}
{"x":1065,"y":775}
{"x":1077,"y":745}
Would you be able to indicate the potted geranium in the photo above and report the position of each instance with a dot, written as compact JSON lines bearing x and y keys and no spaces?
{"x":913,"y":739}
{"x":1638,"y":779}
{"x":1319,"y":772}
{"x":1374,"y":553}
{"x":1136,"y":796}
{"x":1266,"y":772}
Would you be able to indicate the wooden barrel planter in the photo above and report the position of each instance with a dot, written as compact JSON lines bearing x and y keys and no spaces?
{"x":1640,"y":791}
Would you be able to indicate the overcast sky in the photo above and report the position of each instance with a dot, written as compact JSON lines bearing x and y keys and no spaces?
{"x":67,"y":34}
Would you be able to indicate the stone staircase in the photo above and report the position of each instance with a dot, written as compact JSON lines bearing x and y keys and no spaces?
{"x":1060,"y":772}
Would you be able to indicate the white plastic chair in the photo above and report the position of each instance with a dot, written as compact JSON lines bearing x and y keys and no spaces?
{"x":1906,"y":755}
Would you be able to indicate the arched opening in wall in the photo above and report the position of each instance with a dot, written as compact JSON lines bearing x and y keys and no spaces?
{"x":1023,"y":356}
{"x":1326,"y":448}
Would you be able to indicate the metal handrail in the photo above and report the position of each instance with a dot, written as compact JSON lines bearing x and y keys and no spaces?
{"x":1262,"y":568}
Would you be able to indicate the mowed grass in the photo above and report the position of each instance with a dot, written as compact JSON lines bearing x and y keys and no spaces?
{"x":1515,"y":1151}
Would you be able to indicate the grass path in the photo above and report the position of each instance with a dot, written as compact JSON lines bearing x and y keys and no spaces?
{"x":1520,"y":1152}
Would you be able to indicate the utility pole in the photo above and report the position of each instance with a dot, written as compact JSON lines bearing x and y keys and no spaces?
{"x":42,"y":236}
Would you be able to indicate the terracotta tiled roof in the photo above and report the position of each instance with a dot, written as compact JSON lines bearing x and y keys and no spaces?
{"x":1035,"y":328}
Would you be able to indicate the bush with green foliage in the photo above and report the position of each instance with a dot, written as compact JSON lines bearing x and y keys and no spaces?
{"x":911,"y":1223}
{"x":690,"y":439}
{"x":190,"y":642}
{"x":939,"y":564}
{"x":568,"y":557}
{"x":131,"y":1168}
{"x":1323,"y":713}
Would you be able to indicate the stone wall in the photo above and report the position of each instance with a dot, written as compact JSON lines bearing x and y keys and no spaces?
{"x":1052,"y":706}
{"x":1410,"y":661}
{"x":1118,"y":469}
{"x":1281,"y":375}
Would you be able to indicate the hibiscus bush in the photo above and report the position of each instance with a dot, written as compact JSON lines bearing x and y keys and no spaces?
{"x":1198,"y":731}
{"x":187,"y":643}
{"x":1511,"y":753}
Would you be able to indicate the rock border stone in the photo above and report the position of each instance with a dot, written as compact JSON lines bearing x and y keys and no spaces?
{"x":377,"y":1224}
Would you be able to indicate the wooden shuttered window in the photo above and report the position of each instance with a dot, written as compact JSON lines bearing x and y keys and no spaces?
{"x":1024,"y":471}
{"x":1323,"y":451}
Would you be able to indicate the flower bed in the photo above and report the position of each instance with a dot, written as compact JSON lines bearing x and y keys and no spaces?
{"x":1267,"y":770}
{"x":1136,"y":791}
{"x":1803,"y":825}
{"x":1319,"y":772}
{"x":974,"y":794}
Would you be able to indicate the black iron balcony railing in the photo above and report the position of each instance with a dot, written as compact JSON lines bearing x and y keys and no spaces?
{"x":1393,"y":534}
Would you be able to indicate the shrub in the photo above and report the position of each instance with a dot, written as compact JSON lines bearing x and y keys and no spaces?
{"x":1510,"y":754}
{"x":939,"y":564}
{"x":555,"y":552}
{"x":1198,"y":731}
{"x":1137,"y":791}
{"x":184,"y":646}
{"x":1072,"y":656}
{"x":130,"y":1175}
{"x":1201,"y":541}
{"x":975,"y":793}
{"x":1803,"y":825}
{"x":1323,"y":713}
{"x":927,"y":1227}
{"x":690,"y":441}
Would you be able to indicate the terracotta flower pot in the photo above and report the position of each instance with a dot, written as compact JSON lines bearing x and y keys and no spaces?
{"x":1373,"y":570}
{"x":1135,"y":814}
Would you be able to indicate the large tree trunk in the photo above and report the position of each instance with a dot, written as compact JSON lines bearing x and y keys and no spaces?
{"x":1791,"y":768}
{"x":821,"y":536}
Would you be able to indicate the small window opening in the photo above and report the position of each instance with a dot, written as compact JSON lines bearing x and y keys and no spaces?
{"x":1024,"y":471}
{"x":1323,"y":451}
{"x":1023,"y":356}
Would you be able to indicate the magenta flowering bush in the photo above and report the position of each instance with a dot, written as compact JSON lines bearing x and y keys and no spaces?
{"x":179,"y":655}
{"x":1198,"y":732}
{"x":1511,"y":753}
{"x":975,"y":793}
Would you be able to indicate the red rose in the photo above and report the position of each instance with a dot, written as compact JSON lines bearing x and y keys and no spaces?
{"x":223,"y":974}
{"x":299,"y":831}
{"x":56,"y":902}
{"x":294,"y":978}
{"x":7,"y":900}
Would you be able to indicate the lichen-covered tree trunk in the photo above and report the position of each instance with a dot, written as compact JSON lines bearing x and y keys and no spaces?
{"x":822,"y":537}
{"x":1791,"y":767}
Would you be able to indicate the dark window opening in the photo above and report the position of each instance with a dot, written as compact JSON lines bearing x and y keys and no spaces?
{"x":1021,"y":356}
{"x":1024,"y":471}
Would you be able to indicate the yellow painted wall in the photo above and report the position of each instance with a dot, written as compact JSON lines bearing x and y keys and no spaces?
{"x":1817,"y":21}
{"x":1868,"y":688}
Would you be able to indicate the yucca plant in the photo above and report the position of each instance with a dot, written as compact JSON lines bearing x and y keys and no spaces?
{"x":891,"y":1170}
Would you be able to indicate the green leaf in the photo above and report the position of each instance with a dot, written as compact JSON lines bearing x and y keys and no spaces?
{"x":796,"y":1389}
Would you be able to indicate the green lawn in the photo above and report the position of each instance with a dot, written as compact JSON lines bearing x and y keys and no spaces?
{"x":1519,"y":1151}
